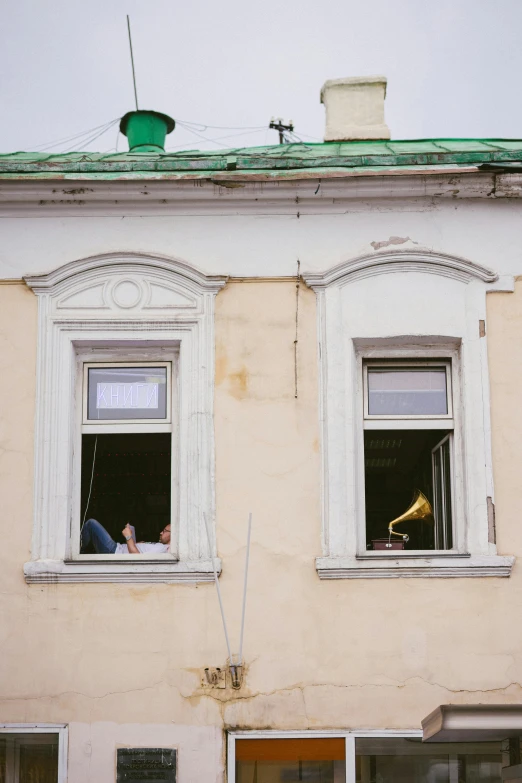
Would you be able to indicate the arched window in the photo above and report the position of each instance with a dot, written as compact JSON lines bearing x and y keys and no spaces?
{"x":124,"y":420}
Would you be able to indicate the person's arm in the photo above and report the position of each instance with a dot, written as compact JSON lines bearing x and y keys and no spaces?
{"x":131,"y":544}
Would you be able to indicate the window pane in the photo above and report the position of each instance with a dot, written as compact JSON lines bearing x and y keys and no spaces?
{"x":127,"y":478}
{"x":39,"y":763}
{"x":29,"y":758}
{"x":441,"y":461}
{"x":282,"y":761}
{"x":127,"y":393}
{"x":394,"y":760}
{"x":398,"y":464}
{"x":419,"y":392}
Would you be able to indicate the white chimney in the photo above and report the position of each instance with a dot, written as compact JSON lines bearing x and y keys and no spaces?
{"x":355,"y":108}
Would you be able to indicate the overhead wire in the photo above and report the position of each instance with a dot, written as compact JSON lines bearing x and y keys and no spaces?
{"x":247,"y":130}
{"x":215,"y":141}
{"x":202,"y":126}
{"x":67,"y":139}
{"x":88,"y":141}
{"x":87,"y":137}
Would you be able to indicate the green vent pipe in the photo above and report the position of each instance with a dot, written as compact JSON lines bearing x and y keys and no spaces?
{"x":146,"y":130}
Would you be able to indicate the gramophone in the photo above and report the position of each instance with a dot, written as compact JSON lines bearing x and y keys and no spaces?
{"x":419,"y":510}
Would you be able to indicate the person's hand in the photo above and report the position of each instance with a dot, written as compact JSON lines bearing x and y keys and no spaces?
{"x":126,"y":532}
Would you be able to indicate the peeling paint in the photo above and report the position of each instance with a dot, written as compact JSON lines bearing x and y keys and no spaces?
{"x":392,"y":241}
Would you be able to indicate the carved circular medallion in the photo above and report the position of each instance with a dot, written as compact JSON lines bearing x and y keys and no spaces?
{"x":127,"y":293}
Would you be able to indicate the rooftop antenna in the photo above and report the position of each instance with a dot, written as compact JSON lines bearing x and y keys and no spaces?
{"x":132,"y":63}
{"x":281,"y":127}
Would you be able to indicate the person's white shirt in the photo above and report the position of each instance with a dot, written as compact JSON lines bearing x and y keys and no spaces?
{"x":143,"y":547}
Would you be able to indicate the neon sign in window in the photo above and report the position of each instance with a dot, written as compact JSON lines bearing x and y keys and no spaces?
{"x":127,"y":393}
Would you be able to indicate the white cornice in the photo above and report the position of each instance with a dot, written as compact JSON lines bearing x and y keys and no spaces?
{"x":410,"y":260}
{"x":225,"y":194}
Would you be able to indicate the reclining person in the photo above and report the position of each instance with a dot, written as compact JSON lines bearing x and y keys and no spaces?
{"x":94,"y":533}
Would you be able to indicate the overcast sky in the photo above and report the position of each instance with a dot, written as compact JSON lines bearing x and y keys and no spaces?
{"x":454,"y":67}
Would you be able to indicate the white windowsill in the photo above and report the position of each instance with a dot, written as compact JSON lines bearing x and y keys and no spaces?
{"x":120,"y":570}
{"x":392,"y":566}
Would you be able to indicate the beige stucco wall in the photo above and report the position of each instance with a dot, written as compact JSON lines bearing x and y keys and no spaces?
{"x":505,"y":369}
{"x":350,"y":653}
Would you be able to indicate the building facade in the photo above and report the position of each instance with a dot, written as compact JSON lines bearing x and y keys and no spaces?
{"x":308,"y":333}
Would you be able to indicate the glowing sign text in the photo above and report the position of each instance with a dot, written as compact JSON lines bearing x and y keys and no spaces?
{"x":126,"y":395}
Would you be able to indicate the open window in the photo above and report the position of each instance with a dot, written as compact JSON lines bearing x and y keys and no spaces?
{"x":408,"y":455}
{"x":120,"y":312}
{"x":126,"y":449}
{"x":404,"y":405}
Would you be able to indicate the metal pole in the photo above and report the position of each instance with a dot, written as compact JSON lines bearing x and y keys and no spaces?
{"x":218,"y":588}
{"x":245,"y":591}
{"x":132,"y":63}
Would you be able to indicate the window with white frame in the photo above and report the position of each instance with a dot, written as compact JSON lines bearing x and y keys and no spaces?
{"x":408,"y":455}
{"x":124,"y":420}
{"x":404,"y":417}
{"x":127,"y":451}
{"x":273,"y":760}
{"x":33,"y":753}
{"x":359,"y":757}
{"x":409,"y":760}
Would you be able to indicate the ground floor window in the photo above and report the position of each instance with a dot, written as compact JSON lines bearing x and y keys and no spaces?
{"x":29,"y":758}
{"x":274,"y":760}
{"x":409,"y":760}
{"x":360,"y":757}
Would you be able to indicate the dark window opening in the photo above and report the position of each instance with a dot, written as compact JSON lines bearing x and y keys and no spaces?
{"x":131,"y":482}
{"x":398,"y":464}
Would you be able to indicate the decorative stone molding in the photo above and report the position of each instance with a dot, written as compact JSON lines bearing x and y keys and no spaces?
{"x":428,"y":305}
{"x":160,"y":267}
{"x":124,"y":572}
{"x":400,"y":261}
{"x":134,"y":302}
{"x":441,"y":567}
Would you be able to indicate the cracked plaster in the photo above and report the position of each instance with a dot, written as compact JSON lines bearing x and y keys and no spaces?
{"x":320,"y":654}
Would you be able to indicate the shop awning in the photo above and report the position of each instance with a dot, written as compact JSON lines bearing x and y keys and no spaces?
{"x":472,"y":723}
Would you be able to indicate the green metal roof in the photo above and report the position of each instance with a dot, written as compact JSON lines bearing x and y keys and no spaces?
{"x":286,"y":160}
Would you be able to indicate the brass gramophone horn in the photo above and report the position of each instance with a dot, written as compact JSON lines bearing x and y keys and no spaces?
{"x":420,"y":509}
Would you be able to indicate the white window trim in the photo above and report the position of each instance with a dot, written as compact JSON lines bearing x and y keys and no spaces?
{"x":123,"y":300}
{"x":120,"y":360}
{"x":375,"y":363}
{"x":109,"y":358}
{"x":349,"y":737}
{"x":366,"y":356}
{"x":60,"y":729}
{"x":341,"y":420}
